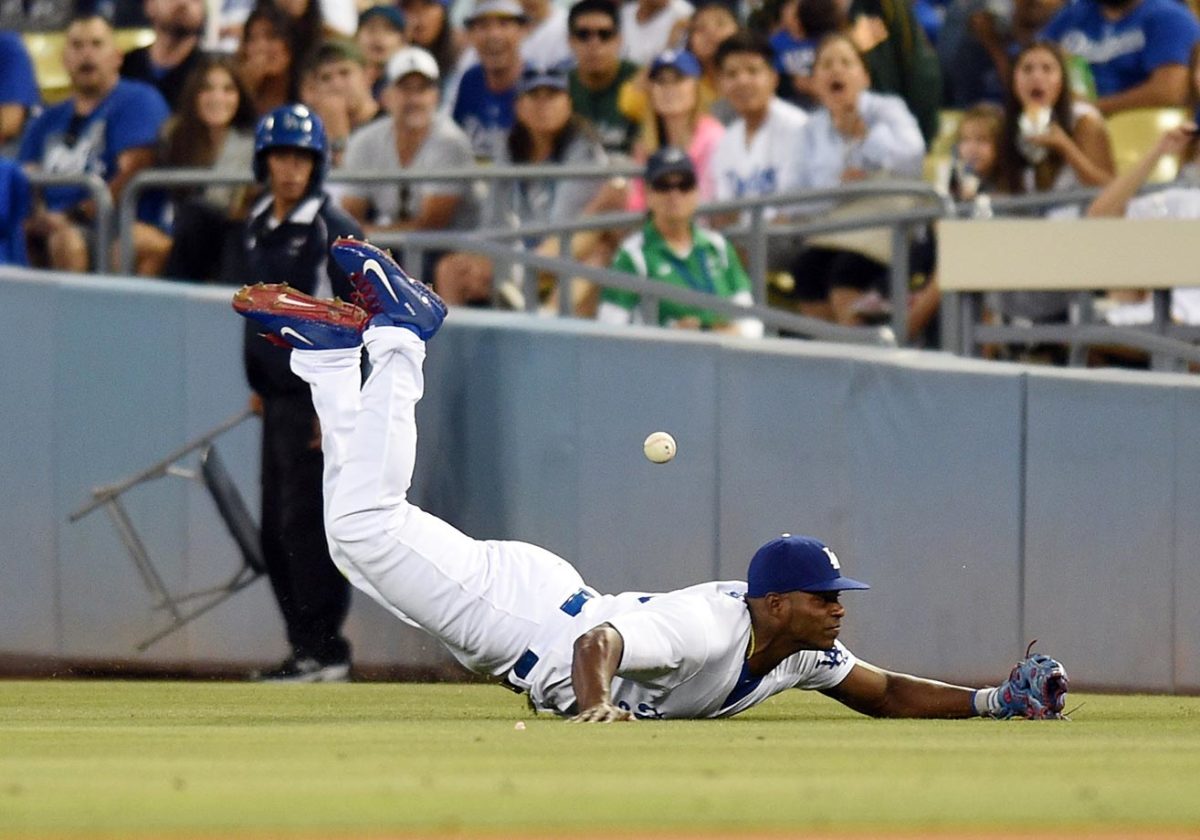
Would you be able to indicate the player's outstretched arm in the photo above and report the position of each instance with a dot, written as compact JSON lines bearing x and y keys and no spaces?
{"x":879,"y":693}
{"x":596,"y":659}
{"x":1036,"y":689}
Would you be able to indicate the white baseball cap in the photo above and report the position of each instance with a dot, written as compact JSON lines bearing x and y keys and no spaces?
{"x":411,"y":60}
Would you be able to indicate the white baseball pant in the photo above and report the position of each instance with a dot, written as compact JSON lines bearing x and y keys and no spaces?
{"x":487,"y":601}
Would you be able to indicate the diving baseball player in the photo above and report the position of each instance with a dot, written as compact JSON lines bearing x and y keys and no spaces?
{"x":520,"y":613}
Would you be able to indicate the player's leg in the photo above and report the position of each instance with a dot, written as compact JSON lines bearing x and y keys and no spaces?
{"x":482,"y":599}
{"x":330,"y":335}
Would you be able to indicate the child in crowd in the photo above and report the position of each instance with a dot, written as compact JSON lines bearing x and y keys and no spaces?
{"x":1052,"y":141}
{"x":973,"y":168}
{"x":855,"y":135}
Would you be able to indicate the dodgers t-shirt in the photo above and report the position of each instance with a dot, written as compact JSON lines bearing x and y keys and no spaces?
{"x":485,"y":115}
{"x":60,"y":142}
{"x":1124,"y":53}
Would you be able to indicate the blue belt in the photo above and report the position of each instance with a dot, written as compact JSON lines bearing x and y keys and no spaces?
{"x":572,"y":607}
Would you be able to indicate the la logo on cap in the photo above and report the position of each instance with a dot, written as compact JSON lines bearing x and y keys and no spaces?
{"x":833,"y":561}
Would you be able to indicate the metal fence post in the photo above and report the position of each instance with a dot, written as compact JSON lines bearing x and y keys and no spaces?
{"x":758,"y":254}
{"x":899,"y":282}
{"x":566,"y":302}
{"x":126,"y":218}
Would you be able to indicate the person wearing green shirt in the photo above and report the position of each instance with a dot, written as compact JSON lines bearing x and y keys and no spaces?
{"x":672,"y":248}
{"x":600,"y":74}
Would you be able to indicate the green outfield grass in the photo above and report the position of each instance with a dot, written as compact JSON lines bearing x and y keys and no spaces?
{"x":174,"y":760}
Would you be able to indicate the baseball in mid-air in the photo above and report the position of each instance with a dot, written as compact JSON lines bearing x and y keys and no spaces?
{"x":659,"y":447}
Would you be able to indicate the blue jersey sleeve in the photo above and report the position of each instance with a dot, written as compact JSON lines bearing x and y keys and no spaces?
{"x":1170,"y":35}
{"x":17,"y":81}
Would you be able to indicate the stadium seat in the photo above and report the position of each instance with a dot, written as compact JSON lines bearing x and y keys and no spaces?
{"x":185,"y":607}
{"x":1135,"y":132}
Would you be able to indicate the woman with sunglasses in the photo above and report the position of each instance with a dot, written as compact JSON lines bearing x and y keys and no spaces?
{"x":672,"y":248}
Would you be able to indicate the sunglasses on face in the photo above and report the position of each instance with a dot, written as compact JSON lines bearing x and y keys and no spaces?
{"x":684,"y":185}
{"x":585,"y":33}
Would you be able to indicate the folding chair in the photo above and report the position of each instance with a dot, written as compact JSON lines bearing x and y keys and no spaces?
{"x":185,"y":607}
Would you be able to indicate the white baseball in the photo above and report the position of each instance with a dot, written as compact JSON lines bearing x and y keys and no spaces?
{"x":659,"y":447}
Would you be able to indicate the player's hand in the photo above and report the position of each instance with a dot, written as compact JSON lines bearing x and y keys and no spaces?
{"x":604,"y":712}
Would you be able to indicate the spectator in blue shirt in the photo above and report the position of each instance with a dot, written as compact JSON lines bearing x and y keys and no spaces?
{"x":484,"y":102}
{"x":18,"y":88}
{"x":109,"y":126}
{"x":14,"y":208}
{"x":800,"y":29}
{"x":1137,"y":49}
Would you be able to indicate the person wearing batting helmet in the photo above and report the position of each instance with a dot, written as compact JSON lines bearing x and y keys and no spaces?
{"x":287,"y":238}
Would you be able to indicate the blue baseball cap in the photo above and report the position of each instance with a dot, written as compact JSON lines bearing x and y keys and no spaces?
{"x":391,"y":14}
{"x":680,"y":60}
{"x":796,"y":564}
{"x":533,"y":78}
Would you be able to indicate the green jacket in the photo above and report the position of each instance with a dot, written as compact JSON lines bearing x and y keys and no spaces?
{"x":712,"y":266}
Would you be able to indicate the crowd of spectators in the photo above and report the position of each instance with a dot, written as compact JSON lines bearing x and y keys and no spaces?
{"x":762,"y":97}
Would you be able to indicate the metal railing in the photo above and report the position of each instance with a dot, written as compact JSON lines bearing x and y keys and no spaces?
{"x":97,"y":192}
{"x":1169,"y":344}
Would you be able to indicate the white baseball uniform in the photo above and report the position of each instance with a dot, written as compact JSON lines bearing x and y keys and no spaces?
{"x":512,"y":609}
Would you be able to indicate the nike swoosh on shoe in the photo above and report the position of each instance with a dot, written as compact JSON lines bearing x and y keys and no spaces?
{"x":373,"y":265}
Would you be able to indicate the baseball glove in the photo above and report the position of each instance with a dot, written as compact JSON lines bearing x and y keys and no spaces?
{"x":1036,"y":688}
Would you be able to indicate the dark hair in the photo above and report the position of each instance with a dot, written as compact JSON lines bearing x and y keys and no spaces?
{"x":333,"y":50}
{"x":84,"y":15}
{"x":821,"y":17}
{"x":284,"y":28}
{"x":442,"y":47}
{"x":745,"y":41}
{"x":589,"y":7}
{"x":304,"y":32}
{"x":520,"y":141}
{"x":840,"y":37}
{"x":1012,"y":165}
{"x":187,"y":140}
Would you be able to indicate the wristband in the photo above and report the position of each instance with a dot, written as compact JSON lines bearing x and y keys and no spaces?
{"x":982,"y":702}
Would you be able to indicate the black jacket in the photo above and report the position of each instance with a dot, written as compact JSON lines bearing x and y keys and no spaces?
{"x":295,"y":252}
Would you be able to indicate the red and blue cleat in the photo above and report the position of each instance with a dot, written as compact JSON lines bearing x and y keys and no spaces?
{"x":386,"y":292}
{"x":294,"y":319}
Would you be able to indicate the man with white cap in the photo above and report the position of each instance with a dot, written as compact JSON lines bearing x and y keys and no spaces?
{"x":484,"y":99}
{"x":416,"y":137}
{"x":524,"y":615}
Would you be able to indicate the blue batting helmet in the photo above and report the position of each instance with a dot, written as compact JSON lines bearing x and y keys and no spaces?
{"x":291,"y":127}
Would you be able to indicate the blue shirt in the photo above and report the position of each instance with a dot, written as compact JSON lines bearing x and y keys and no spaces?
{"x":793,"y":56}
{"x":128,"y":118}
{"x":1125,"y":52}
{"x":14,"y":209}
{"x":17,"y":83}
{"x":485,"y":115}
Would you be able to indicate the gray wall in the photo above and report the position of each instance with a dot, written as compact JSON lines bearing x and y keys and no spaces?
{"x":986,"y":503}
